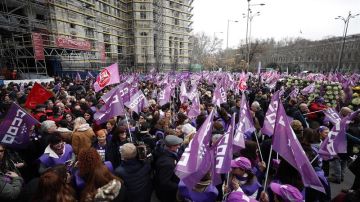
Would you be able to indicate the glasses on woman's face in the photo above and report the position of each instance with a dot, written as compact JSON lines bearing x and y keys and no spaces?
{"x":2,"y":150}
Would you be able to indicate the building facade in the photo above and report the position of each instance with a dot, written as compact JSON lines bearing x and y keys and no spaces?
{"x":318,"y":56}
{"x":88,"y":34}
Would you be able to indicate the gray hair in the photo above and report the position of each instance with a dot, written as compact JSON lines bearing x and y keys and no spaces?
{"x":46,"y":125}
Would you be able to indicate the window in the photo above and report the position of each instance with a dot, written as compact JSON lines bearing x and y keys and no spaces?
{"x":143,"y":34}
{"x":142,"y":15}
{"x":142,"y":7}
{"x":72,"y":25}
{"x":40,"y":17}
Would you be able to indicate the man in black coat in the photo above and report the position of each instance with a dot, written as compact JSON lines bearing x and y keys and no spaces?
{"x":166,"y":182}
{"x":136,"y":175}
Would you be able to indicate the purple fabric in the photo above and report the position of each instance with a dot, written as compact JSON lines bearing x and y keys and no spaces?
{"x":335,"y":142}
{"x":239,"y":196}
{"x":137,"y":102}
{"x":194,"y":110}
{"x":109,"y":75}
{"x":15,"y":128}
{"x":183,"y":93}
{"x":51,"y":162}
{"x":293,"y":94}
{"x":165,"y":95}
{"x":124,"y":90}
{"x":113,"y":107}
{"x":245,"y":123}
{"x":287,"y":192}
{"x":241,"y":162}
{"x":285,"y":142}
{"x":224,"y":150}
{"x":309,"y":89}
{"x":270,"y":117}
{"x":195,"y":162}
{"x":332,"y":115}
{"x":219,"y":96}
{"x":209,"y":194}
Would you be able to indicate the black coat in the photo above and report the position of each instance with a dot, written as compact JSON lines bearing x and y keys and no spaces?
{"x":137,"y":179}
{"x":166,"y":182}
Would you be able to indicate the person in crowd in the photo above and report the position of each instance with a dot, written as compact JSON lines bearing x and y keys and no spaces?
{"x":40,"y":113}
{"x":315,"y":117}
{"x":10,"y":185}
{"x":57,"y":152}
{"x":69,"y":118}
{"x":110,"y":128}
{"x":285,"y":192}
{"x":202,"y":192}
{"x":10,"y":161}
{"x":259,"y":113}
{"x":119,"y":138}
{"x":101,"y":145}
{"x":53,"y":186}
{"x":83,"y":135}
{"x":100,"y":183}
{"x":136,"y":175}
{"x":88,"y":116}
{"x":242,"y":176}
{"x":166,"y":182}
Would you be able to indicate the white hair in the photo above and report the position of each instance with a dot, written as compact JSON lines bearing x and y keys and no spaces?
{"x":46,"y":125}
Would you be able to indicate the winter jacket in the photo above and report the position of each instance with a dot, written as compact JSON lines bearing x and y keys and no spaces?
{"x":9,"y":187}
{"x":166,"y":182}
{"x":112,"y":191}
{"x":137,"y":179}
{"x":82,"y":138}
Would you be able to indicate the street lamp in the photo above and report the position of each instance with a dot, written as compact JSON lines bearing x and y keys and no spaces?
{"x":227,"y":32}
{"x":346,"y":25}
{"x":249,"y":38}
{"x":247,"y":21}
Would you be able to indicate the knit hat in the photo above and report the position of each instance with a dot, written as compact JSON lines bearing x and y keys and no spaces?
{"x":172,"y":140}
{"x":241,"y":162}
{"x":239,"y":196}
{"x":287,"y":192}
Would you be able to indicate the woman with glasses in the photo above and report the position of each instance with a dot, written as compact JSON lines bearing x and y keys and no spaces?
{"x":57,"y":152}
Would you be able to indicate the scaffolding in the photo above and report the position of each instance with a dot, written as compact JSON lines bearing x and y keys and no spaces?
{"x":159,"y":33}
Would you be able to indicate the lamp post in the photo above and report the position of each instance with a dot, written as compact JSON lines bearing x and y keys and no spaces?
{"x":247,"y":23}
{"x":227,"y":32}
{"x":249,"y":37}
{"x":346,"y":25}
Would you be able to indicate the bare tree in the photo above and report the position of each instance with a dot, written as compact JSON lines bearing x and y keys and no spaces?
{"x":204,"y":49}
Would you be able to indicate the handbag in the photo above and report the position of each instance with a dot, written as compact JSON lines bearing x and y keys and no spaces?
{"x":354,"y":167}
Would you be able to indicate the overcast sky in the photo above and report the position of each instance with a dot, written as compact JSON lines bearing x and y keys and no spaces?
{"x":310,"y":19}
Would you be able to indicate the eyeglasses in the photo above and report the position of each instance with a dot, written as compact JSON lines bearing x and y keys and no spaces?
{"x":2,"y":150}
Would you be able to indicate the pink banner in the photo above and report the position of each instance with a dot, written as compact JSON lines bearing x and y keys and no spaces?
{"x":38,"y":46}
{"x":66,"y":42}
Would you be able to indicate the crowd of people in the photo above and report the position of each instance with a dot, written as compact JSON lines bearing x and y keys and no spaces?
{"x":132,"y":158}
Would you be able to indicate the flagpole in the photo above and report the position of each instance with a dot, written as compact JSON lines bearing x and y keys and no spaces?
{"x":267,"y":169}
{"x":257,"y":141}
{"x":316,"y":111}
{"x":127,"y":122}
{"x":314,"y":158}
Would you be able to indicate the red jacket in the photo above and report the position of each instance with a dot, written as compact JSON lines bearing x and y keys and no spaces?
{"x":314,"y":106}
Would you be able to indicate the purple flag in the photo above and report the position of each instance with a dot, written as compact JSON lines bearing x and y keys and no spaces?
{"x":137,"y":102}
{"x":113,"y":107}
{"x":245,"y":125}
{"x":195,"y":107}
{"x":193,"y":92}
{"x":89,"y":74}
{"x":332,"y":115}
{"x":224,"y":149}
{"x":309,"y":89}
{"x":15,"y":128}
{"x":270,"y":117}
{"x":219,"y":96}
{"x":335,"y":142}
{"x":164,"y":95}
{"x":195,"y":162}
{"x":78,"y":77}
{"x":124,"y":90}
{"x":284,"y":142}
{"x":109,"y":75}
{"x":293,"y":94}
{"x":183,"y":93}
